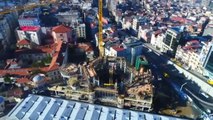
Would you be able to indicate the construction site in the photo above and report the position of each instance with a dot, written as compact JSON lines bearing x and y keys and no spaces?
{"x":109,"y":81}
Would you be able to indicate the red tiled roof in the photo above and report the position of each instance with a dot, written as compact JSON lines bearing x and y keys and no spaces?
{"x":27,"y":71}
{"x":23,"y":80}
{"x":55,"y":55}
{"x":61,"y":29}
{"x":21,"y":72}
{"x":179,"y":19}
{"x":23,"y":42}
{"x":118,"y":48}
{"x":41,"y":49}
{"x":85,"y":46}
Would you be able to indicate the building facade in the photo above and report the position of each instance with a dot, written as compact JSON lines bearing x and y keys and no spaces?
{"x":30,"y":18}
{"x":62,"y":33}
{"x":172,"y":38}
{"x":81,"y":30}
{"x":31,"y":33}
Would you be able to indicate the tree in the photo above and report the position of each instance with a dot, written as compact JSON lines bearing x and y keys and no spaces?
{"x":7,"y":78}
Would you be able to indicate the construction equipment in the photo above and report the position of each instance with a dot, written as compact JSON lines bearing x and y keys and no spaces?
{"x":25,"y":7}
{"x":140,"y":61}
{"x":100,"y":28}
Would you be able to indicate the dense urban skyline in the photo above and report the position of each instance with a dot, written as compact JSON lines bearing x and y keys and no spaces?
{"x":106,"y":59}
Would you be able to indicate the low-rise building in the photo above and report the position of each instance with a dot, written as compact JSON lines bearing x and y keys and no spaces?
{"x":157,"y":39}
{"x":31,"y":33}
{"x":62,"y":33}
{"x":30,"y":18}
{"x":193,"y":55}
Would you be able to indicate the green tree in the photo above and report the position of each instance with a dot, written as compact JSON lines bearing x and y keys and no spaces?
{"x":7,"y":79}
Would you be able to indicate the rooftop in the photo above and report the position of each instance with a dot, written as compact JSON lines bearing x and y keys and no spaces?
{"x":61,"y":29}
{"x":29,"y":28}
{"x":41,"y":107}
{"x":23,"y":42}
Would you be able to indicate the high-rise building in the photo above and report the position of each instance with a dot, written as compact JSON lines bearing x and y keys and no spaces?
{"x":172,"y":39}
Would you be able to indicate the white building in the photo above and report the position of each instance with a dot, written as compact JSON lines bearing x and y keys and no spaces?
{"x":144,"y":33}
{"x":81,"y":30}
{"x":29,"y":18}
{"x":62,"y":33}
{"x":31,"y":33}
{"x":126,"y":22}
{"x":194,"y":54}
{"x":157,"y":39}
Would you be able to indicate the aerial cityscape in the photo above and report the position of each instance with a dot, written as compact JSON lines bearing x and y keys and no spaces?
{"x":106,"y":59}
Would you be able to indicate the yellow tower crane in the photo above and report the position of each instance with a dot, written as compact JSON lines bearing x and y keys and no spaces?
{"x":100,"y":28}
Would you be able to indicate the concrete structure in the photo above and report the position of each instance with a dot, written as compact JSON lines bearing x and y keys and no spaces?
{"x":81,"y":30}
{"x":62,"y":33}
{"x":106,"y":84}
{"x":134,"y":49}
{"x":41,"y":107}
{"x":130,"y":48}
{"x":31,"y":33}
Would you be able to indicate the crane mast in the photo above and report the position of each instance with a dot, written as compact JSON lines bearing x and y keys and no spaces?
{"x":100,"y":28}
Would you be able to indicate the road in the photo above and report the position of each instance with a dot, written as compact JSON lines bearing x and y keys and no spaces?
{"x":160,"y":62}
{"x":167,"y":58}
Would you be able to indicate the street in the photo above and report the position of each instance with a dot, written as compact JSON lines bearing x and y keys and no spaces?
{"x":161,"y":67}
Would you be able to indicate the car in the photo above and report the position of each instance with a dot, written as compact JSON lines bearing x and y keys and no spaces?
{"x":166,"y":75}
{"x":210,"y":81}
{"x":204,"y":94}
{"x":154,"y":66}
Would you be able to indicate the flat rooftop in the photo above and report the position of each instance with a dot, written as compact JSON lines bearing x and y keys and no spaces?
{"x":29,"y":28}
{"x":36,"y":107}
